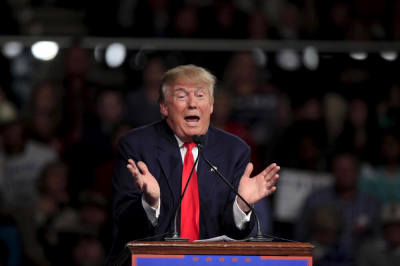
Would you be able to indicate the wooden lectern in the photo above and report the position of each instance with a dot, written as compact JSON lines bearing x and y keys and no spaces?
{"x":221,"y":253}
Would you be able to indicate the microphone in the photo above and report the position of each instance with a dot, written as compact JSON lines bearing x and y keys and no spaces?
{"x":199,"y":141}
{"x":175,"y":236}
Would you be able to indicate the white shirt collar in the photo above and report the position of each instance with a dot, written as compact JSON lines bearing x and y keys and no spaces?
{"x":180,"y":142}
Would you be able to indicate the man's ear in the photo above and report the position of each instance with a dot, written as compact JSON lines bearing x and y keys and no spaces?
{"x":164,"y":109}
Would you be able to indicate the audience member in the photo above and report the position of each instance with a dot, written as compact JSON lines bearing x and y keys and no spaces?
{"x":302,"y":145}
{"x":102,"y":182}
{"x":358,"y":131}
{"x":359,"y":212}
{"x":11,"y":248}
{"x":255,"y":102}
{"x":44,"y":115}
{"x":388,"y":110}
{"x":88,"y":251}
{"x":257,"y":27}
{"x":384,"y":182}
{"x":144,"y":100}
{"x":94,"y":148}
{"x":22,"y":160}
{"x":385,"y":249}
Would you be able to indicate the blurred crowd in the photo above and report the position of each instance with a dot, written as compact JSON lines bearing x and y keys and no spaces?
{"x":253,"y":19}
{"x":335,"y":131}
{"x":58,"y":147}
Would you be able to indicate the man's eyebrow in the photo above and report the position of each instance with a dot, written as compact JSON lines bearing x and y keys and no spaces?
{"x":180,"y":89}
{"x":200,"y":89}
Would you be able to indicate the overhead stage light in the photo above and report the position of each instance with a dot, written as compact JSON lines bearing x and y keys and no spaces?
{"x":288,"y":59}
{"x":12,"y":49}
{"x":115,"y":55}
{"x":45,"y":50}
{"x":359,"y":55}
{"x":311,"y":58}
{"x":389,"y":55}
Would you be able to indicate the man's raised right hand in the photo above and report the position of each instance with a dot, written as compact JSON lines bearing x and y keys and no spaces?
{"x":145,"y":181}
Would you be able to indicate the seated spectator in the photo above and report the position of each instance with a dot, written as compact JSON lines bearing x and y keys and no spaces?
{"x":142,"y":105}
{"x":11,"y":249}
{"x":7,"y":109}
{"x":358,"y":130}
{"x":22,"y":160}
{"x":384,"y":182}
{"x":44,"y":115}
{"x":102,"y":182}
{"x":359,"y":212}
{"x":325,"y":225}
{"x":62,"y":232}
{"x":88,"y":251}
{"x":256,"y":103}
{"x":53,"y":191}
{"x":385,"y":250}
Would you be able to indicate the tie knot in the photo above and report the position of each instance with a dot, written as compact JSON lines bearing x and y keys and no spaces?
{"x":189,"y":145}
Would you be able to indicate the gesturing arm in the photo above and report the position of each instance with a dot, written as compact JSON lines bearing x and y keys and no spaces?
{"x":149,"y":187}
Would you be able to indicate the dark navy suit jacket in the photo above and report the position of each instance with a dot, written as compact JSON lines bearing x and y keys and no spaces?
{"x":157,"y":146}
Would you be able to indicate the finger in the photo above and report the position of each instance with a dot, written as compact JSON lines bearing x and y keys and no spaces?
{"x":271,"y":182}
{"x":135,"y":172}
{"x":136,"y":176}
{"x":132,"y":169}
{"x":132,"y":164}
{"x":248,"y":170}
{"x":143,"y":167}
{"x":271,"y":190}
{"x":268,"y":169}
{"x":272,"y":172}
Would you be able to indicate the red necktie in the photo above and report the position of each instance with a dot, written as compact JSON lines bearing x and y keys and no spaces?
{"x":190,"y":208}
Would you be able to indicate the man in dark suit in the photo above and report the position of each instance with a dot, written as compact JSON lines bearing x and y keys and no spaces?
{"x":148,"y":179}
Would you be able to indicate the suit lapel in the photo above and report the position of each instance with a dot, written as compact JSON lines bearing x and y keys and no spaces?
{"x":206,"y":177}
{"x":170,"y":161}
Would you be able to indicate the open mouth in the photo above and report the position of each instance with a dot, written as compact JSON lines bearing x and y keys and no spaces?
{"x":192,"y":118}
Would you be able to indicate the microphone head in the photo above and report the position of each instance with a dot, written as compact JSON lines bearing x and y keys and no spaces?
{"x":199,"y":139}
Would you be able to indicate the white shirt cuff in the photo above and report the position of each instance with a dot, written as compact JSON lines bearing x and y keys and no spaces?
{"x":239,"y":216}
{"x":152,"y":213}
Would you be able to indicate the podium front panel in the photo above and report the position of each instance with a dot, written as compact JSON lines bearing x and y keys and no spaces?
{"x":221,"y":253}
{"x":220,"y":260}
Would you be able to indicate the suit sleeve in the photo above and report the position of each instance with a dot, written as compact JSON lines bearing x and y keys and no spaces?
{"x":229,"y":225}
{"x":130,"y":219}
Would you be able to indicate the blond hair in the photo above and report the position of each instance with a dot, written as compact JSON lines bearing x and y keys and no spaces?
{"x":190,"y":73}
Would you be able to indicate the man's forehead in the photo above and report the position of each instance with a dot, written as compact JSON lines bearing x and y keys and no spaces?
{"x":189,"y":86}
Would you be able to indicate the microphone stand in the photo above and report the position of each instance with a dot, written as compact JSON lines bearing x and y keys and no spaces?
{"x":259,"y":237}
{"x":176,"y":236}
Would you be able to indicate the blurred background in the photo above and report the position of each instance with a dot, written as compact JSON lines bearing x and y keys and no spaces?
{"x":311,"y":85}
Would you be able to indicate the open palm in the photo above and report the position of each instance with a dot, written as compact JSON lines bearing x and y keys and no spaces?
{"x":257,"y":187}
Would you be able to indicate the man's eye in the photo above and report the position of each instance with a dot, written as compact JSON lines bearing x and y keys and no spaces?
{"x":180,"y":96}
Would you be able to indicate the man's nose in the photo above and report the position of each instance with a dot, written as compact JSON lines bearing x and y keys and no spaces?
{"x":192,"y":101}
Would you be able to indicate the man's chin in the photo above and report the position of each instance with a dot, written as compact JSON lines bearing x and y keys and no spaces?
{"x":190,"y":134}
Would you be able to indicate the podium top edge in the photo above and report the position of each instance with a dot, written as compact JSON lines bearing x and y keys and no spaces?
{"x":222,"y":248}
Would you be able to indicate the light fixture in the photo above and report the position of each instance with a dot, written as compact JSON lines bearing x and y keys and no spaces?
{"x":359,"y":55}
{"x":288,"y":59}
{"x":115,"y":55}
{"x":311,"y":58}
{"x":12,"y":49}
{"x":389,"y":55}
{"x":45,"y":50}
